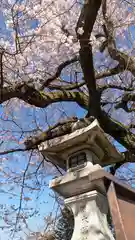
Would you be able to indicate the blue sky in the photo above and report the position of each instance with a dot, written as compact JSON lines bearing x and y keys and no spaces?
{"x":18,"y":161}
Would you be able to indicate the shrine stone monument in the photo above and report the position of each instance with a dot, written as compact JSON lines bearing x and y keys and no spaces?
{"x":82,"y":154}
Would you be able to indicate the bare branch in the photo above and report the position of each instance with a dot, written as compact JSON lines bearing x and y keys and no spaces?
{"x":58,"y":72}
{"x":21,"y":194}
{"x":12,"y":151}
{"x":114,"y":86}
{"x":127,"y":97}
{"x":57,"y":130}
{"x":109,"y":72}
{"x":1,"y":73}
{"x":126,"y":62}
{"x":118,"y":131}
{"x":70,"y":86}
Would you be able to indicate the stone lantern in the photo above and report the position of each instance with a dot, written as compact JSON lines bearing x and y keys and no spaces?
{"x":82,"y":153}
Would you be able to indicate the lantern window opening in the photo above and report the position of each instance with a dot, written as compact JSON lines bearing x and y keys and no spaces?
{"x":77,"y":160}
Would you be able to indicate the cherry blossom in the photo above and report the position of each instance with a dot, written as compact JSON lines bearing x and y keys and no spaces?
{"x":41,"y":34}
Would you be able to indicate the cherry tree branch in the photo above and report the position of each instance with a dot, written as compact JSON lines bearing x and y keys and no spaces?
{"x":57,"y":130}
{"x":42,"y":99}
{"x":127,"y":97}
{"x":98,"y":75}
{"x":110,"y":126}
{"x":70,"y":86}
{"x":126,"y":62}
{"x":21,"y":195}
{"x":1,"y":73}
{"x":12,"y":151}
{"x":118,"y":131}
{"x":58,"y":72}
{"x":83,"y":30}
{"x":114,"y":86}
{"x":109,"y":72}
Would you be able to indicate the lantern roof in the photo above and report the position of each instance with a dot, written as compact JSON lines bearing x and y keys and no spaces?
{"x":91,"y":138}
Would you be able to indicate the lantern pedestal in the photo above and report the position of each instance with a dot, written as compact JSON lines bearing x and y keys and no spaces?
{"x":85,"y":194}
{"x":90,"y":210}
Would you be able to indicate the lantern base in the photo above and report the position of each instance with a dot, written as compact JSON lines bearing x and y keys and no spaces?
{"x":90,"y":215}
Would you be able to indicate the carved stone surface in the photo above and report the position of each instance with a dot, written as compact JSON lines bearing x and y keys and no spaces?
{"x":84,"y":193}
{"x":79,"y":181}
{"x":90,"y":210}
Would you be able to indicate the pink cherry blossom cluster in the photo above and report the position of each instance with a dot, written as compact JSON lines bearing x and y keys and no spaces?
{"x":41,"y":34}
